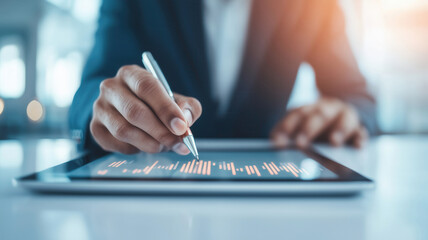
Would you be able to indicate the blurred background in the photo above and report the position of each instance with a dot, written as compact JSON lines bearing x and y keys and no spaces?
{"x":44,"y":45}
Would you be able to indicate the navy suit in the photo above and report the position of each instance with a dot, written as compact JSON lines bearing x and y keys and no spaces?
{"x":282,"y":35}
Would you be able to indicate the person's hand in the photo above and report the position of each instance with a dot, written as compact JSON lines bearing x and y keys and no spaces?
{"x":134,"y":113}
{"x":329,"y":117}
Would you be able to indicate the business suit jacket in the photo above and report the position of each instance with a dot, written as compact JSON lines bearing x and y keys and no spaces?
{"x":281,"y":35}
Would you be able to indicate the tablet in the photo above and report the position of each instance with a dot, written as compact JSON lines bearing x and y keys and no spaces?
{"x":219,"y":171}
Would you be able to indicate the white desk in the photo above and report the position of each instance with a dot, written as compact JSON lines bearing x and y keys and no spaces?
{"x":397,"y":209}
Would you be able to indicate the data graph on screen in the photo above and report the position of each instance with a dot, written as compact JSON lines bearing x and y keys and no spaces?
{"x":288,"y":165}
{"x":202,"y":167}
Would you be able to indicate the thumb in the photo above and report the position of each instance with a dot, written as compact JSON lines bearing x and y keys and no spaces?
{"x":191,"y":107}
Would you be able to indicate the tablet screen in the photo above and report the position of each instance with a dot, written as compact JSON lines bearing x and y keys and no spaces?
{"x":259,"y":165}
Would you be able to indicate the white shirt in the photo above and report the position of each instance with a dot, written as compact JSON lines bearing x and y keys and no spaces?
{"x":225,"y":23}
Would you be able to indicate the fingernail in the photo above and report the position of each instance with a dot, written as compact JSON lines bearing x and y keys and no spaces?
{"x":188,"y":116}
{"x":178,"y":126}
{"x":180,"y":148}
{"x":302,"y":140}
{"x":281,"y":140}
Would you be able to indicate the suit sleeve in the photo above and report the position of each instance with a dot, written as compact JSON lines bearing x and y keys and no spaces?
{"x":336,"y":69}
{"x":115,"y":45}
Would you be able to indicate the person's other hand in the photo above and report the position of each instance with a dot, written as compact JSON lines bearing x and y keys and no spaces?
{"x":328,"y":117}
{"x":134,"y":113}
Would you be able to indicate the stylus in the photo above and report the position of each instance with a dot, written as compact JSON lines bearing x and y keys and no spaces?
{"x":152,"y":66}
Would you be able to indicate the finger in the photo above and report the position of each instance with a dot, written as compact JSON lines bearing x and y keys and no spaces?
{"x":139,"y":114}
{"x":288,"y":125}
{"x":151,"y":91}
{"x":128,"y":133}
{"x":360,"y":137}
{"x":191,"y":107}
{"x":279,"y":134}
{"x":123,"y":131}
{"x":180,"y":148}
{"x":312,"y":127}
{"x":316,"y":122}
{"x":346,"y":124}
{"x":107,"y":142}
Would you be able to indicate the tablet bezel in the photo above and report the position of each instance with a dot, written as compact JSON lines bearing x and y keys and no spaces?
{"x":57,"y":174}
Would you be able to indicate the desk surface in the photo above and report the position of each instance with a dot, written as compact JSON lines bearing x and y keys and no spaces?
{"x":396,"y":209}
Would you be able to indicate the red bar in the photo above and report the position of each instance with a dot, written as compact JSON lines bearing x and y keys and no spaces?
{"x":268,"y":168}
{"x":273,"y":169}
{"x":214,"y":164}
{"x":145,"y":169}
{"x":296,"y":167}
{"x":204,"y":169}
{"x":170,"y":168}
{"x":293,"y":168}
{"x":228,"y":166}
{"x":200,"y":166}
{"x":182,"y":168}
{"x":150,"y":168}
{"x":175,"y":167}
{"x":209,"y":168}
{"x":277,"y":169}
{"x":251,"y":169}
{"x":187,"y":168}
{"x":285,"y":167}
{"x":191,"y":166}
{"x":125,"y":170}
{"x":219,"y":166}
{"x":257,"y":170}
{"x":263,"y":167}
{"x":292,"y":171}
{"x":304,"y":170}
{"x":233,"y":168}
{"x":120,"y":163}
{"x":241,"y":170}
{"x":248,"y":170}
{"x":224,"y":165}
{"x":196,"y":166}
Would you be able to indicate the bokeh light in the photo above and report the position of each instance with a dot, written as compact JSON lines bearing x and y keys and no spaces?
{"x":35,"y":111}
{"x":1,"y":106}
{"x":12,"y":71}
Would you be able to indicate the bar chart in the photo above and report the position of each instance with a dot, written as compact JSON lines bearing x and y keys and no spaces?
{"x":215,"y":168}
